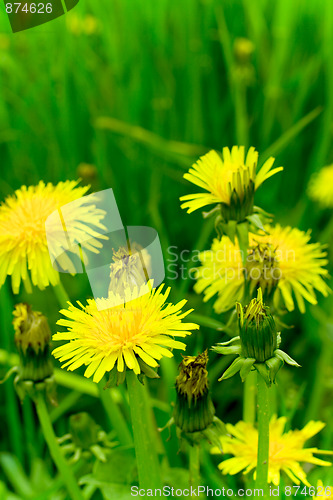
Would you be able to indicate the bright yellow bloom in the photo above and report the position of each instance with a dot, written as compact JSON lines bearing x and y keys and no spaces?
{"x":323,"y":492}
{"x":320,"y":187}
{"x":220,"y":175}
{"x":87,"y":25}
{"x":283,"y":262}
{"x":142,"y":327}
{"x":286,"y":451}
{"x":24,"y":253}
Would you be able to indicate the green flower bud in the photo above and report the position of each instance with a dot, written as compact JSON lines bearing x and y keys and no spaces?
{"x":32,"y":338}
{"x":257,"y":330}
{"x":257,"y":345}
{"x":243,"y":50}
{"x":83,"y":429}
{"x":241,"y":192}
{"x":85,"y":440}
{"x":194,"y":410}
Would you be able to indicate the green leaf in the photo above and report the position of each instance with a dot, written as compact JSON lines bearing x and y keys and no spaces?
{"x":119,"y":468}
{"x":16,"y":476}
{"x":228,"y":342}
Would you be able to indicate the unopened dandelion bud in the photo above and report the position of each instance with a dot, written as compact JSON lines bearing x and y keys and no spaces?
{"x":243,"y":50}
{"x":32,"y":338}
{"x":83,"y":429}
{"x":85,"y":439}
{"x":194,"y":410}
{"x":87,"y":172}
{"x":257,"y":345}
{"x":257,"y":330}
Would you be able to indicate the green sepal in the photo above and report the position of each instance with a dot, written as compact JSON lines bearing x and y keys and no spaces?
{"x":246,"y":368}
{"x":230,"y":230}
{"x":234,"y":368}
{"x":274,"y":364}
{"x":147,"y":370}
{"x":216,"y":209}
{"x":218,"y":224}
{"x":14,"y":369}
{"x":214,"y":432}
{"x":286,"y":358}
{"x":263,"y":370}
{"x":232,"y":349}
{"x":228,"y":342}
{"x":115,"y":378}
{"x":256,"y":222}
{"x":29,"y":388}
{"x":264,"y":215}
{"x":225,"y":347}
{"x":97,"y":451}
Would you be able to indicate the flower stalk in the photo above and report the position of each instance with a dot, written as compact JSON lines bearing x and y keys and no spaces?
{"x":194,"y":465}
{"x":57,"y":456}
{"x":263,"y":436}
{"x":145,"y":452}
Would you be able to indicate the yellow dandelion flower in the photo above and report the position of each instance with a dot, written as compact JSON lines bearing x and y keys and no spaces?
{"x":24,"y":253}
{"x":283,"y":263}
{"x":140,"y":330}
{"x":87,"y":25}
{"x":222,"y":175}
{"x":320,"y":187}
{"x":323,"y":492}
{"x":286,"y":451}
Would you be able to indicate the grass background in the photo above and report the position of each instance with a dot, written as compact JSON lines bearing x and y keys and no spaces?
{"x":155,"y":85}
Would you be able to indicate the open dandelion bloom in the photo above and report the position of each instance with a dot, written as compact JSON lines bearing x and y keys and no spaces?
{"x":286,"y":451}
{"x":227,"y":176}
{"x":320,"y":187}
{"x":24,"y":253}
{"x":139,"y":331}
{"x":283,"y":263}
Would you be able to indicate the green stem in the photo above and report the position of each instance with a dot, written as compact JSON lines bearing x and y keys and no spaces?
{"x":195,"y":466}
{"x":61,"y":294}
{"x":29,"y":429}
{"x":145,"y":452}
{"x":249,"y":400}
{"x":242,"y":133}
{"x":58,"y":458}
{"x":115,"y":417}
{"x":263,"y":436}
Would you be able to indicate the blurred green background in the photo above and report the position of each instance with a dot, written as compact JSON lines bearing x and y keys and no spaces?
{"x":137,"y":90}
